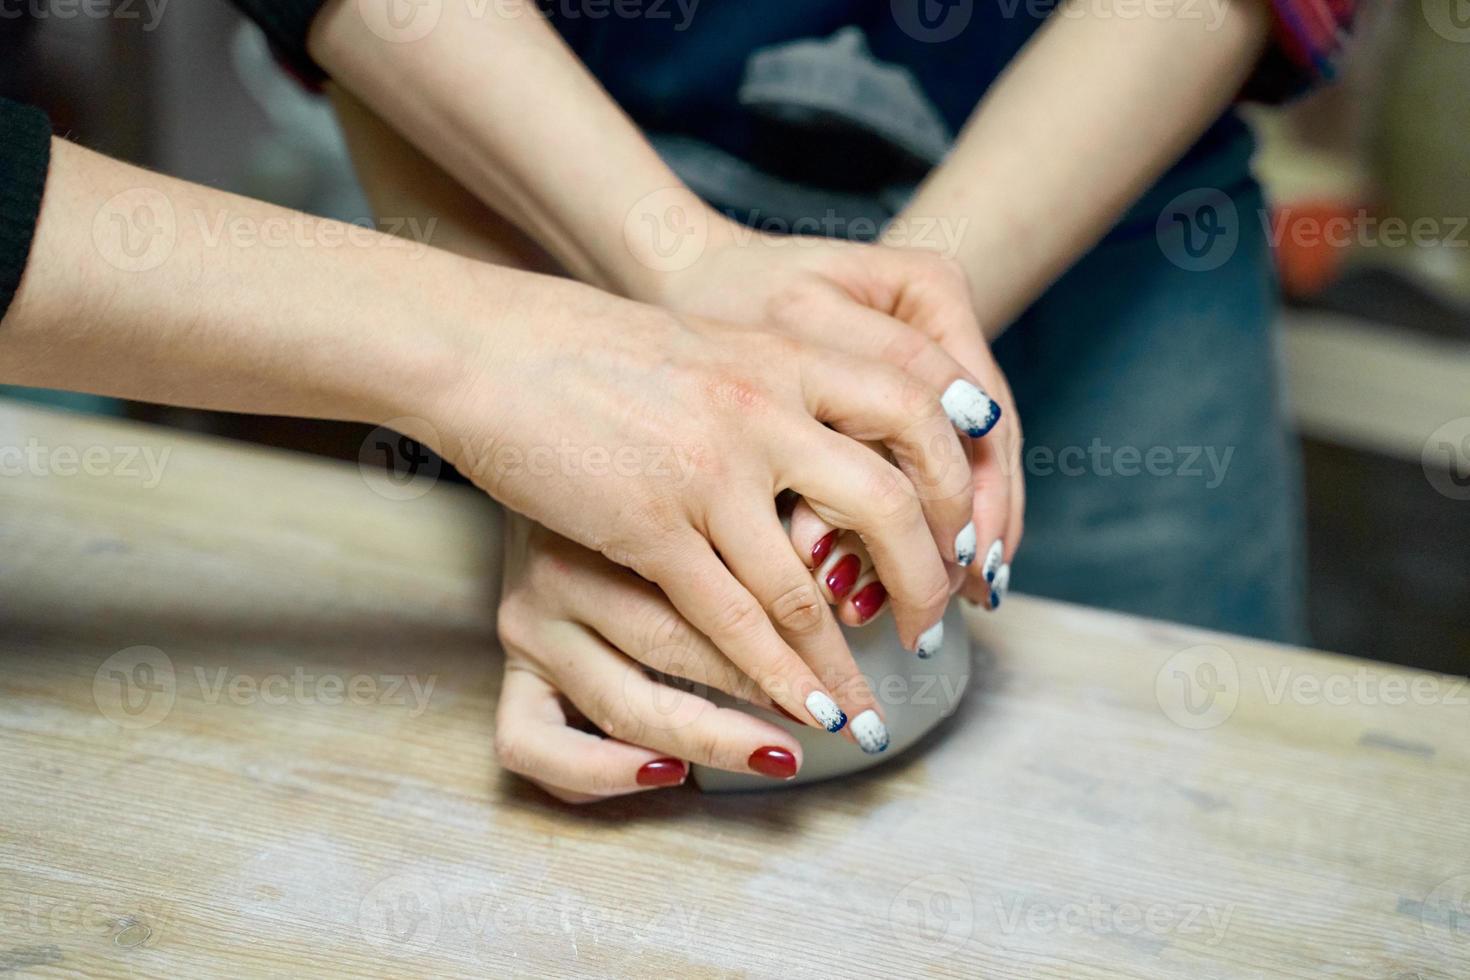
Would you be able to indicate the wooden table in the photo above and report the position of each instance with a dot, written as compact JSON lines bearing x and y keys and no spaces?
{"x":221,"y":755}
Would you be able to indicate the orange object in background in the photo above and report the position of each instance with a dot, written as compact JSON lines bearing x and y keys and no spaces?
{"x":1310,"y":246}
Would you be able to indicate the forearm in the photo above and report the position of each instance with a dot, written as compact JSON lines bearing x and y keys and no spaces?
{"x":496,"y":98}
{"x":401,"y":182}
{"x":1091,"y":112}
{"x":141,"y":286}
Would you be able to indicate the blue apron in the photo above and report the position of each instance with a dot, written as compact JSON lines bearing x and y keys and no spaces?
{"x":1161,"y":477}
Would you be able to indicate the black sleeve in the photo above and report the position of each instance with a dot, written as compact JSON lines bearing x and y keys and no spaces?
{"x":25,"y":155}
{"x":286,"y":23}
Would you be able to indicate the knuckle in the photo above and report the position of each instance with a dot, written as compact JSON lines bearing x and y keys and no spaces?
{"x":950,"y":270}
{"x":510,"y":752}
{"x":799,"y":609}
{"x":604,"y":782}
{"x":890,"y":497}
{"x":707,"y":746}
{"x":906,"y":348}
{"x":654,"y":519}
{"x":917,"y":400}
{"x":736,"y":392}
{"x":515,"y":622}
{"x":612,"y":715}
{"x":933,"y":593}
{"x":740,"y":618}
{"x":666,"y":638}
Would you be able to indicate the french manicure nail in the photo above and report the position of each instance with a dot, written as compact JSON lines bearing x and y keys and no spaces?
{"x":869,"y":600}
{"x":971,"y":410}
{"x":662,"y":772}
{"x":825,"y":710}
{"x":964,"y":545}
{"x":823,"y":548}
{"x":930,"y":641}
{"x":843,"y":576}
{"x":992,"y":560}
{"x":1000,"y":586}
{"x":870,"y":732}
{"x":772,"y":761}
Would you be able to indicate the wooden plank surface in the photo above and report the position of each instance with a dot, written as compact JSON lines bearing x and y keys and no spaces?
{"x":1380,"y":389}
{"x":245,"y":723}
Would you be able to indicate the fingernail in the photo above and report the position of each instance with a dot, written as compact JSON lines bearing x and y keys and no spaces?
{"x":843,"y":576}
{"x":992,"y":560}
{"x":869,"y":600}
{"x":774,"y":762}
{"x":964,"y":545}
{"x":870,"y":732}
{"x":662,"y":772}
{"x":823,"y":548}
{"x":971,"y":410}
{"x":999,"y":587}
{"x":930,"y":641}
{"x":825,"y":710}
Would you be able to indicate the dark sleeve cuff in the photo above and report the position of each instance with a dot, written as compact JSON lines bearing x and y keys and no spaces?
{"x":25,"y":155}
{"x":1307,"y":40}
{"x":286,"y":23}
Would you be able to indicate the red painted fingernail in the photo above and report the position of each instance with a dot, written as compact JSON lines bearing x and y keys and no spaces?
{"x":774,"y":762}
{"x":843,"y":576}
{"x":823,"y":548}
{"x":869,"y":600}
{"x":662,"y":772}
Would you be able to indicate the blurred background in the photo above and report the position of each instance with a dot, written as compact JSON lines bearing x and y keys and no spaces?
{"x":1370,"y":184}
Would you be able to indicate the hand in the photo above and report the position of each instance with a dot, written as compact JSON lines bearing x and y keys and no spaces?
{"x":662,"y":443}
{"x":587,"y":640}
{"x":908,"y":307}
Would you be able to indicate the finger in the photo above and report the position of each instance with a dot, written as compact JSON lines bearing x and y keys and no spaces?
{"x":532,"y":739}
{"x":704,"y":591}
{"x":875,"y":402}
{"x":999,"y":504}
{"x":811,"y":536}
{"x":634,"y":616}
{"x":853,"y":583}
{"x":851,"y":487}
{"x":838,"y":575}
{"x":756,"y":549}
{"x":618,"y":697}
{"x":839,"y":322}
{"x":935,"y":299}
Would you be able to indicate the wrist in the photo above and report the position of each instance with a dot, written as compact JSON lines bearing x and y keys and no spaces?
{"x":670,"y":238}
{"x":924,"y":226}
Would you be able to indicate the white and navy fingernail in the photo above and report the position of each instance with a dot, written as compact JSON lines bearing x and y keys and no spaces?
{"x":964,"y":545}
{"x":825,"y":710}
{"x":999,"y":586}
{"x":930,"y":641}
{"x":971,"y":410}
{"x":992,"y":560}
{"x":870,"y":732}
